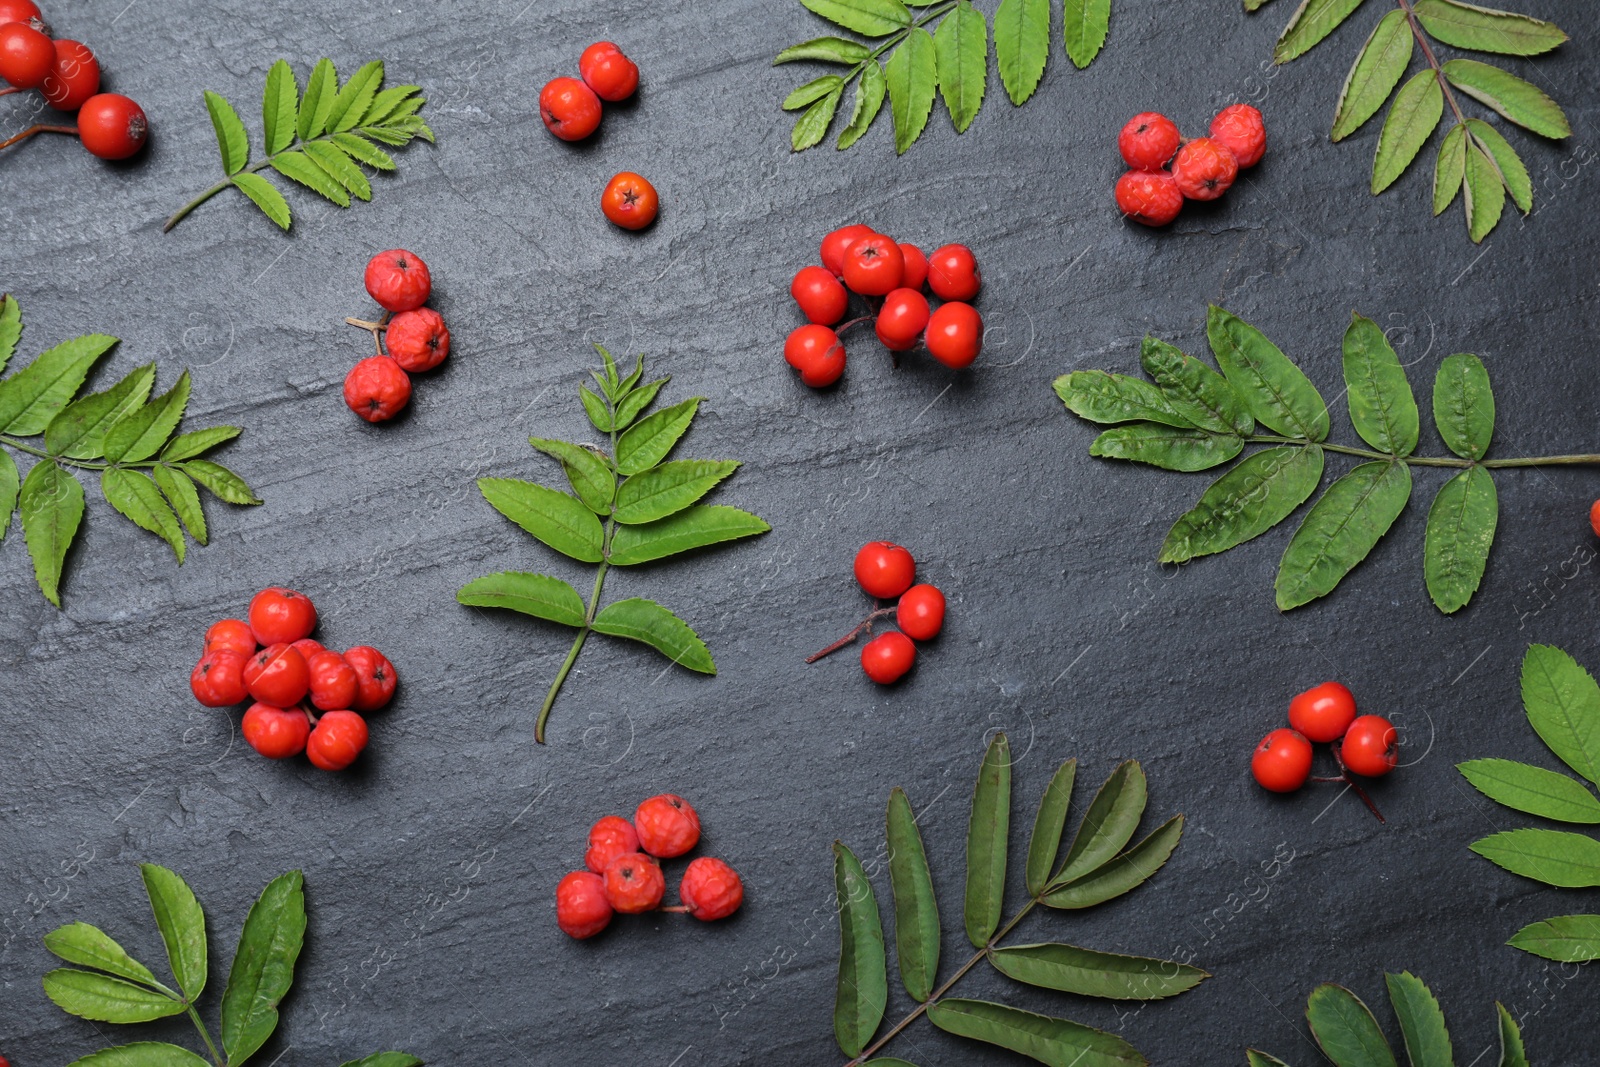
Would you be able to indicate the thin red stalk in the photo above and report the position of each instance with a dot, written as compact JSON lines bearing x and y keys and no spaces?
{"x":41,"y":128}
{"x":865,"y":626}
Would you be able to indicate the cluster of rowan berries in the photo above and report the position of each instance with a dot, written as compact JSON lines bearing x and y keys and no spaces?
{"x":409,"y":337}
{"x":623,"y":872}
{"x":1367,"y":745}
{"x":67,"y":74}
{"x":886,"y":571}
{"x":571,"y":110}
{"x":307,"y":698}
{"x":855,"y":259}
{"x":1202,"y":168}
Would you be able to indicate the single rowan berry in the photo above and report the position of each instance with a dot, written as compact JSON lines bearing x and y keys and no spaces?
{"x":1324,"y":712}
{"x":217,"y":681}
{"x":710,"y":889}
{"x":74,"y":76}
{"x":231,"y":635}
{"x":955,"y":334}
{"x":1148,"y":141}
{"x":612,"y":75}
{"x":953,"y":273}
{"x":336,"y":740}
{"x":902,"y":319}
{"x":916,"y":275}
{"x":630,"y":201}
{"x":634,"y":883}
{"x":22,"y":11}
{"x":1594,"y":517}
{"x":276,"y":733}
{"x":1370,"y":746}
{"x":816,"y":352}
{"x":377,"y":389}
{"x":610,"y":837}
{"x":667,"y":826}
{"x":821,"y":298}
{"x":1241,"y":129}
{"x":920,"y":613}
{"x":418,"y":340}
{"x":111,"y":126}
{"x":838,"y":243}
{"x":1282,"y":761}
{"x":874,"y":265}
{"x":331,"y":681}
{"x":375,"y":677}
{"x":887,"y":657}
{"x":1150,"y":197}
{"x":1204,"y":169}
{"x":884,"y":569}
{"x":569,"y":108}
{"x":277,"y":675}
{"x":26,"y":55}
{"x":398,"y":280}
{"x":581,"y":906}
{"x":280,"y":616}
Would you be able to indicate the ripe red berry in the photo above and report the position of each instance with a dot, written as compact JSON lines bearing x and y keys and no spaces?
{"x":231,"y":635}
{"x":610,"y":837}
{"x":581,"y":906}
{"x":821,"y":298}
{"x":634,"y":883}
{"x":1594,"y":517}
{"x":838,"y":243}
{"x":874,"y":265}
{"x":902,"y":319}
{"x":955,"y":334}
{"x":920,"y":613}
{"x":377,"y":389}
{"x":667,"y":826}
{"x":418,"y":340}
{"x":630,"y":201}
{"x":953,"y":273}
{"x":398,"y":280}
{"x":74,"y":76}
{"x":816,"y":352}
{"x":887,"y":657}
{"x":569,"y":108}
{"x":1204,"y":169}
{"x":1150,"y":197}
{"x":21,"y":11}
{"x":375,"y":677}
{"x":1148,"y":141}
{"x":1371,"y":746}
{"x":884,"y":569}
{"x":916,"y":275}
{"x":276,"y":733}
{"x":612,"y":75}
{"x":710,"y":889}
{"x":277,"y":675}
{"x":336,"y":740}
{"x":1240,"y":127}
{"x":1324,"y":712}
{"x":307,"y":647}
{"x":281,"y":616}
{"x":1282,"y":761}
{"x":331,"y":681}
{"x":111,"y":126}
{"x":217,"y":681}
{"x":26,"y":55}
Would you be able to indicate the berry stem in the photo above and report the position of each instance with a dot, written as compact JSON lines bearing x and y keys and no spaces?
{"x":1345,"y":776}
{"x":38,"y":128}
{"x":676,"y":909}
{"x":8,"y":90}
{"x":864,"y":627}
{"x":374,"y":328}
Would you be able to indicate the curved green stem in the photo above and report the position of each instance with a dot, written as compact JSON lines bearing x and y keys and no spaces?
{"x":83,"y":464}
{"x":177,"y":216}
{"x":205,"y":1036}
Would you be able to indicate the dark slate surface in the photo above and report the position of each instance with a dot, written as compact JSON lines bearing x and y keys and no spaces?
{"x":430,"y":868}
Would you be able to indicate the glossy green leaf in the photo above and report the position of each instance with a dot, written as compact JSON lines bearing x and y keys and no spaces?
{"x":321,"y":87}
{"x":364,"y":150}
{"x":636,"y":401}
{"x":1416,"y":111}
{"x":1554,"y":857}
{"x":138,"y":500}
{"x":870,"y":91}
{"x":222,"y":482}
{"x":1511,"y":1050}
{"x":1485,"y":193}
{"x":1382,"y":408}
{"x":668,"y":488}
{"x":1021,"y":45}
{"x":1450,"y":168}
{"x":1421,"y":1022}
{"x":79,"y":431}
{"x":1166,"y":447}
{"x":10,"y":328}
{"x":652,"y":624}
{"x":812,"y":126}
{"x":1378,"y":68}
{"x":1056,"y":1042}
{"x":595,"y":408}
{"x":351,"y":102}
{"x":105,"y":999}
{"x":141,"y":433}
{"x":1108,"y":825}
{"x":1484,"y":29}
{"x":386,"y":1059}
{"x":1088,"y":973}
{"x":1111,"y":398}
{"x":51,"y":502}
{"x":1048,"y":826}
{"x":557,"y":519}
{"x":1513,"y":172}
{"x":232,"y":141}
{"x":182,"y":924}
{"x":694,"y":527}
{"x":825,"y":50}
{"x":1563,"y":705}
{"x":961,"y":54}
{"x":1461,"y":525}
{"x":1312,"y":21}
{"x":1533,"y":790}
{"x":1340,"y":530}
{"x":142,"y":1054}
{"x":193,"y":443}
{"x":10,"y":489}
{"x":33,"y":396}
{"x":912,"y":76}
{"x":1274,"y":390}
{"x":1345,"y":1029}
{"x":1259,"y":492}
{"x":863,"y":988}
{"x":296,"y":165}
{"x":870,"y":18}
{"x":988,"y":830}
{"x":1567,"y":938}
{"x":1463,"y":405}
{"x":1520,"y":101}
{"x":1085,"y":24}
{"x":1128,"y":871}
{"x":89,"y":946}
{"x":340,"y":168}
{"x":538,"y":595}
{"x":181,"y":494}
{"x":1261,"y":1059}
{"x":263,"y":966}
{"x":916,"y":913}
{"x":648,"y":441}
{"x":1197,"y":393}
{"x":280,"y":107}
{"x":588,"y":472}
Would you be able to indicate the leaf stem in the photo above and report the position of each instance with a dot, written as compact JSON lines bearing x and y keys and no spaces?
{"x":177,"y":216}
{"x":82,"y":464}
{"x":865,"y":626}
{"x":561,"y":676}
{"x":1578,"y":459}
{"x":205,"y":1036}
{"x":1433,"y":60}
{"x":1542,"y":461}
{"x":898,"y":36}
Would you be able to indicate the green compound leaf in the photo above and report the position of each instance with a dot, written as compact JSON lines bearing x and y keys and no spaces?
{"x":220,"y":481}
{"x":961,"y":50}
{"x":1312,"y":21}
{"x":351,"y":102}
{"x":1554,"y":857}
{"x":340,"y":168}
{"x":559,"y":520}
{"x":33,"y":396}
{"x":1567,"y":938}
{"x":870,"y":90}
{"x":988,"y":829}
{"x":1276,"y":391}
{"x":1485,"y":192}
{"x":1378,"y":68}
{"x":1520,"y":101}
{"x":141,"y":433}
{"x":264,"y":195}
{"x":1533,"y":790}
{"x":694,"y":527}
{"x":1382,"y":408}
{"x":263,"y":966}
{"x":182,"y":924}
{"x":812,"y":126}
{"x":321,"y":88}
{"x":10,"y":328}
{"x":1421,"y":1022}
{"x":89,"y":946}
{"x":1513,"y":172}
{"x":79,"y":431}
{"x":51,"y":502}
{"x":863,"y":987}
{"x":280,"y":108}
{"x":825,"y":50}
{"x":105,"y":999}
{"x":912,"y":75}
{"x":1259,"y":492}
{"x":1484,"y":29}
{"x":298,"y":166}
{"x":1048,"y":825}
{"x":916,"y":913}
{"x":1461,"y":525}
{"x":1167,"y":447}
{"x":232,"y":140}
{"x":1021,"y":45}
{"x":669,"y":488}
{"x":1345,"y":1029}
{"x":870,"y":18}
{"x":1085,"y":24}
{"x":1088,"y":973}
{"x":1463,"y":405}
{"x":1057,"y":1042}
{"x":181,"y":494}
{"x":1111,"y":398}
{"x":648,"y":441}
{"x":1194,"y":391}
{"x":1108,"y":825}
{"x":1563,"y":705}
{"x":588,"y":472}
{"x":1417,"y":109}
{"x":10,"y":489}
{"x":1450,"y":169}
{"x":652,"y":624}
{"x":138,"y":500}
{"x":1340,"y":530}
{"x":538,"y":595}
{"x":1121,"y":875}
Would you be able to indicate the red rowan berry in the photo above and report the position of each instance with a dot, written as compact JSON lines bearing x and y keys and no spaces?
{"x":916,"y":275}
{"x":231,"y":635}
{"x":331,"y":681}
{"x":710,"y":889}
{"x":74,"y":76}
{"x":1150,"y":197}
{"x":217,"y":681}
{"x":276,"y":733}
{"x":612,"y":75}
{"x":569,"y":108}
{"x":884,"y":569}
{"x":280,"y":616}
{"x":1282,"y":761}
{"x":920,"y":613}
{"x":902,"y":319}
{"x":417,"y":340}
{"x":277,"y":675}
{"x":634,"y":883}
{"x":336,"y":740}
{"x":1240,"y":128}
{"x":26,"y":55}
{"x":1204,"y":169}
{"x":307,"y":647}
{"x":1323,"y":713}
{"x":667,"y":826}
{"x":1370,"y":746}
{"x":874,"y":265}
{"x":955,"y":334}
{"x":377,"y":389}
{"x":838,"y":243}
{"x":1594,"y":517}
{"x":816,"y":352}
{"x":630,"y":201}
{"x":375,"y":677}
{"x":22,"y":11}
{"x":581,"y":906}
{"x":610,"y":837}
{"x":398,"y":280}
{"x":953,"y":273}
{"x":111,"y":126}
{"x":821,"y":298}
{"x":1148,"y":141}
{"x":887,"y":657}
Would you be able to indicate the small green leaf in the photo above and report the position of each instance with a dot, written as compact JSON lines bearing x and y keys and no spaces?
{"x":538,"y":595}
{"x":589,"y":473}
{"x":1563,"y":705}
{"x":1421,"y":1022}
{"x":321,"y":88}
{"x":1382,"y":408}
{"x":1378,"y":68}
{"x":340,"y":168}
{"x":232,"y":140}
{"x":1088,"y":973}
{"x":1554,"y":857}
{"x":1341,"y":529}
{"x":649,"y":622}
{"x":648,"y":441}
{"x":1511,"y":1051}
{"x":1048,"y":826}
{"x":1485,"y":197}
{"x":1166,"y":447}
{"x":280,"y":108}
{"x":1513,"y":172}
{"x":636,"y":401}
{"x":105,"y":999}
{"x":912,"y":75}
{"x":987,"y":831}
{"x":694,"y":527}
{"x":220,"y":481}
{"x":264,"y":195}
{"x":825,"y":50}
{"x":1276,"y":391}
{"x":52,"y":507}
{"x":1345,"y":1029}
{"x":296,"y":165}
{"x":811,"y":127}
{"x":350,"y":104}
{"x":1198,"y":394}
{"x":10,"y":487}
{"x":79,"y":431}
{"x":182,"y":924}
{"x":961,"y":55}
{"x":1450,"y":168}
{"x":386,"y":1059}
{"x":191,"y":444}
{"x":1312,"y":21}
{"x":1110,"y":398}
{"x":1123,"y":874}
{"x":180,"y":491}
{"x":141,"y":433}
{"x":1568,"y":938}
{"x":1058,"y":1042}
{"x":1255,"y":1058}
{"x":388,"y":104}
{"x":10,"y":328}
{"x":1021,"y":45}
{"x":668,"y":488}
{"x":870,"y":90}
{"x":138,"y":499}
{"x":1463,"y":405}
{"x":916,"y":913}
{"x":1085,"y":24}
{"x":364,"y":150}
{"x":863,"y":988}
{"x":142,"y":1054}
{"x":558,"y":519}
{"x":263,"y":966}
{"x":870,"y":18}
{"x":1461,"y":525}
{"x":33,"y":396}
{"x":1108,"y":825}
{"x":1533,"y":790}
{"x":1520,"y":101}
{"x":1484,"y":29}
{"x":1416,"y":111}
{"x":1259,"y":492}
{"x":812,"y":91}
{"x":595,"y":408}
{"x":89,"y":946}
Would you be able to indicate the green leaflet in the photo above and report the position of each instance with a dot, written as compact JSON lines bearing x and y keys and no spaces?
{"x":1450,"y":168}
{"x":1261,"y":1059}
{"x":182,"y":924}
{"x":191,"y":444}
{"x":1048,"y":825}
{"x":649,"y":622}
{"x":298,"y":166}
{"x":1056,"y":1042}
{"x":79,"y":431}
{"x":694,"y":527}
{"x":1463,"y":405}
{"x":222,"y":482}
{"x":1520,"y":101}
{"x":812,"y":126}
{"x":1563,"y":705}
{"x":10,"y":487}
{"x":1085,"y":24}
{"x":1259,"y":492}
{"x":89,"y":946}
{"x":321,"y":88}
{"x":538,"y":595}
{"x":988,"y":829}
{"x":280,"y":108}
{"x":599,"y":415}
{"x":1382,"y":408}
{"x":1417,"y":108}
{"x":669,"y":488}
{"x":1167,"y":447}
{"x":33,"y":396}
{"x":812,"y":91}
{"x":364,"y":150}
{"x":1533,"y":790}
{"x":863,"y":987}
{"x":825,"y":50}
{"x":265,"y":196}
{"x":1486,"y":30}
{"x":559,"y":520}
{"x":51,"y":502}
{"x":648,"y":441}
{"x":1378,"y":68}
{"x":232,"y":141}
{"x":1274,"y":390}
{"x":1461,"y":525}
{"x":354,"y":97}
{"x":263,"y":966}
{"x":386,"y":1059}
{"x":912,"y":77}
{"x":1108,"y":825}
{"x":340,"y":168}
{"x":1511,"y":1051}
{"x":870,"y":91}
{"x":1568,"y":938}
{"x":1554,"y":857}
{"x":1513,"y":172}
{"x":10,"y":328}
{"x":588,"y":472}
{"x":141,"y":433}
{"x":1127,"y":872}
{"x":1086,"y":972}
{"x":1312,"y":21}
{"x":105,"y":999}
{"x":916,"y":912}
{"x":1340,"y":530}
{"x":1345,"y":1029}
{"x":1194,"y":391}
{"x":1021,"y":45}
{"x":961,"y":52}
{"x":1110,"y":398}
{"x":1421,"y":1021}
{"x":1484,"y":192}
{"x":142,"y":1054}
{"x":184,"y":498}
{"x":134,"y":495}
{"x":870,"y":18}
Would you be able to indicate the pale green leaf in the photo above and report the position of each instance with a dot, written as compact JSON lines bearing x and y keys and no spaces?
{"x":595,"y":408}
{"x":142,"y":1054}
{"x":825,"y":50}
{"x":321,"y":87}
{"x":232,"y":141}
{"x":1340,"y":530}
{"x":1259,"y":492}
{"x":140,"y":434}
{"x":1554,"y":857}
{"x":636,"y":401}
{"x":1461,"y":525}
{"x":280,"y":108}
{"x":191,"y":444}
{"x":1111,"y":398}
{"x":812,"y":126}
{"x":138,"y":499}
{"x":1485,"y":193}
{"x":1312,"y":21}
{"x":105,"y":999}
{"x":1520,"y":101}
{"x":350,"y":104}
{"x":1415,"y":113}
{"x":182,"y":924}
{"x":961,"y":57}
{"x":588,"y":472}
{"x":1085,"y":24}
{"x":912,"y":75}
{"x":648,"y":441}
{"x":1378,"y":68}
{"x":870,"y":18}
{"x":1568,"y":938}
{"x":558,"y":519}
{"x":79,"y":431}
{"x":870,"y":90}
{"x":694,"y":527}
{"x":1513,"y":172}
{"x":1533,"y":790}
{"x":33,"y":396}
{"x":1166,"y":447}
{"x":340,"y":168}
{"x":812,"y":91}
{"x":1021,"y":45}
{"x":364,"y":150}
{"x":10,"y":328}
{"x":180,"y":491}
{"x":297,"y":166}
{"x":668,"y":488}
{"x":1563,"y":705}
{"x":89,"y":946}
{"x":538,"y":595}
{"x":645,"y":620}
{"x":1450,"y":169}
{"x":1485,"y":29}
{"x":10,"y":487}
{"x":219,"y":480}
{"x":51,"y":502}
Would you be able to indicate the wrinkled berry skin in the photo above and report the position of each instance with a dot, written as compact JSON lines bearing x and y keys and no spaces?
{"x":1148,"y":141}
{"x":375,"y":677}
{"x":1150,"y":197}
{"x":377,"y":389}
{"x":276,"y":733}
{"x":333,"y":682}
{"x":667,"y":826}
{"x":398,"y":280}
{"x":1242,"y":130}
{"x":417,"y":340}
{"x":711,"y":889}
{"x":217,"y":681}
{"x":610,"y":837}
{"x":630,"y":201}
{"x":336,"y":740}
{"x":610,"y":73}
{"x":569,"y":108}
{"x":634,"y":883}
{"x":581,"y":906}
{"x":1204,"y":169}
